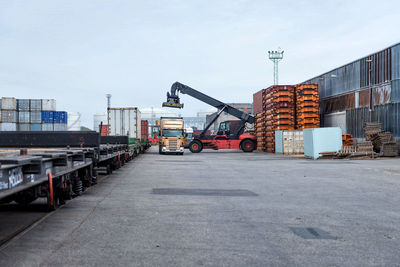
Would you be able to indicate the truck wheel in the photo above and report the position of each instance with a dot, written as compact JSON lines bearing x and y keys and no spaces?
{"x":195,"y":147}
{"x":159,"y":150}
{"x":247,"y":146}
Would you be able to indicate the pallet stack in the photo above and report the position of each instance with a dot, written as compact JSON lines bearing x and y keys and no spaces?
{"x":383,"y":143}
{"x":347,"y":140}
{"x":279,"y":112}
{"x":259,"y":127}
{"x":307,"y":106}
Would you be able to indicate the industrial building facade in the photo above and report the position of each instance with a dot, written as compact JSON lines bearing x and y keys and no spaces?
{"x":364,"y":90}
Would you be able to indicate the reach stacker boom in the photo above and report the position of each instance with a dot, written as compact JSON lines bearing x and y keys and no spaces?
{"x":224,"y":139}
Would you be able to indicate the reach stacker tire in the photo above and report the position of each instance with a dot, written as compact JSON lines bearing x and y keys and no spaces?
{"x":247,"y":146}
{"x":195,"y":146}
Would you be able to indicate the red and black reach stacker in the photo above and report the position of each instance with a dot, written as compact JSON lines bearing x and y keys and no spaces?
{"x":230,"y":135}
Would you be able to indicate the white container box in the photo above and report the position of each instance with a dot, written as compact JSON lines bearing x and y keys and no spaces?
{"x":24,"y":117}
{"x":124,"y":121}
{"x":9,"y":103}
{"x":60,"y":126}
{"x":289,"y":142}
{"x":47,"y":127}
{"x":48,"y":105}
{"x":319,"y":140}
{"x":7,"y":126}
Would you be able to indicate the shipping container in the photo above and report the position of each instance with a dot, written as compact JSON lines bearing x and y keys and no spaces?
{"x":36,"y":116}
{"x":48,"y":105}
{"x":23,"y":127}
{"x":47,"y":127}
{"x":47,"y":117}
{"x":36,"y":127}
{"x":258,"y":101}
{"x":60,"y":117}
{"x":320,"y":140}
{"x":24,"y":117}
{"x":23,"y":105}
{"x":35,"y":104}
{"x":145,"y":129}
{"x":60,"y":126}
{"x":125,"y":121}
{"x":9,"y":103}
{"x":289,"y":142}
{"x":7,"y":126}
{"x":103,"y":129}
{"x":9,"y":116}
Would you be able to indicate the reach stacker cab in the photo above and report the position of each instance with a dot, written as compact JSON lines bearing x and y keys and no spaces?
{"x":227,"y":137}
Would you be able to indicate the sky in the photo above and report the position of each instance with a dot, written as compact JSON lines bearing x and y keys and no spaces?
{"x":77,"y":51}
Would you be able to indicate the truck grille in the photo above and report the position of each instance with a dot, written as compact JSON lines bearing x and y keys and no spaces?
{"x":173,"y":144}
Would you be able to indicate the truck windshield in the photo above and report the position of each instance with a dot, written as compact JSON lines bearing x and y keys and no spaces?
{"x":172,"y":133}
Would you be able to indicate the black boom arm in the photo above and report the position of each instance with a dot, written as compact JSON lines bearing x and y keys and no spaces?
{"x":174,"y":101}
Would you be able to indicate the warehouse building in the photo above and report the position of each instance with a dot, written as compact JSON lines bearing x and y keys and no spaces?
{"x":367,"y":89}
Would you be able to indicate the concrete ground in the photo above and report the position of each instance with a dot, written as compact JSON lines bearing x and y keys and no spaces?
{"x":244,"y":209}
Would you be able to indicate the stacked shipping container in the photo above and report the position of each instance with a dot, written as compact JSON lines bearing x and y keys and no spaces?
{"x":9,"y":116}
{"x":31,"y":115}
{"x":278,"y":111}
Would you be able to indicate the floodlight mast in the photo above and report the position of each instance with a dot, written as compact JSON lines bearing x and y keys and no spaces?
{"x":275,"y":56}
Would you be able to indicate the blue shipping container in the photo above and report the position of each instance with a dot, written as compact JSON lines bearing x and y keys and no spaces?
{"x":47,"y":116}
{"x":60,"y":117}
{"x":36,"y":127}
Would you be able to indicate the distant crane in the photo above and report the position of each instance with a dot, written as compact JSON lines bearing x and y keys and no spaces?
{"x":276,"y":56}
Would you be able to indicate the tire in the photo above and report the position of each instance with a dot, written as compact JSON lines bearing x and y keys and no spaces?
{"x":195,"y":146}
{"x":159,"y":150}
{"x":247,"y":146}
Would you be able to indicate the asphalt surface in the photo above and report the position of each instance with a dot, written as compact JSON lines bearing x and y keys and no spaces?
{"x":225,"y":208}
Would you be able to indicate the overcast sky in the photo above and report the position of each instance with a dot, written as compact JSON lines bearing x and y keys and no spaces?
{"x":77,"y":51}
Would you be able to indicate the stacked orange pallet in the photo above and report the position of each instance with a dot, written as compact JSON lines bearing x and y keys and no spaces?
{"x":279,"y":112}
{"x":259,"y":127}
{"x":307,"y":106}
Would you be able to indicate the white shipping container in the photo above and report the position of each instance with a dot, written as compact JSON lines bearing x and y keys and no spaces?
{"x":60,"y":126}
{"x":48,"y":105}
{"x":289,"y":142}
{"x":7,"y":126}
{"x":125,"y":121}
{"x":47,"y":127}
{"x":24,"y":117}
{"x":9,"y":103}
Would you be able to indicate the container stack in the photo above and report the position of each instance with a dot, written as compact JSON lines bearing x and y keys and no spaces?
{"x":307,"y":106}
{"x":8,"y":117}
{"x":31,"y":115}
{"x":279,"y":112}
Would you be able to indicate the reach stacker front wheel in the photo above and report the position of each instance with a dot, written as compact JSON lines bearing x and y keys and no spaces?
{"x":195,"y":147}
{"x":247,"y":146}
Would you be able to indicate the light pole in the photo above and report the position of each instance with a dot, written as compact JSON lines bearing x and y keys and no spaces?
{"x":275,"y":56}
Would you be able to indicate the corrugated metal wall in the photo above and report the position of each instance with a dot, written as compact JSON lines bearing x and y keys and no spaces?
{"x":385,"y":66}
{"x":388,"y":115}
